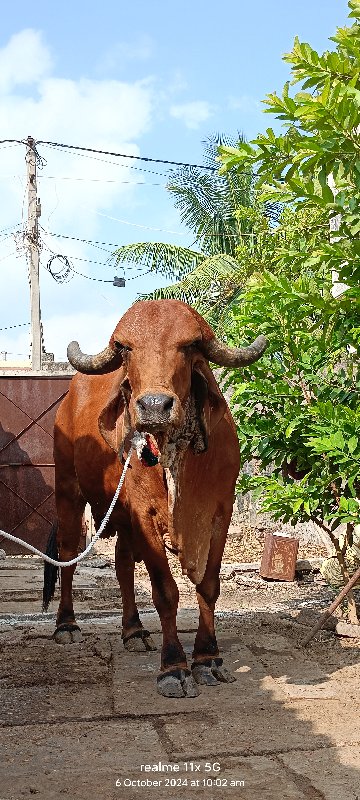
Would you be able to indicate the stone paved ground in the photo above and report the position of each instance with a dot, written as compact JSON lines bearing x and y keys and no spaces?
{"x":76,"y":719}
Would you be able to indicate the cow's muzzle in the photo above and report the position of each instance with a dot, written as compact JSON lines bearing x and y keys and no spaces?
{"x":155,"y":411}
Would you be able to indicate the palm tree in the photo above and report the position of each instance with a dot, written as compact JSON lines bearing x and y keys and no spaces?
{"x":209,"y":277}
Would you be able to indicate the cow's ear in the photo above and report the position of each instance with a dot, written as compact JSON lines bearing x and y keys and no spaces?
{"x":210,"y":404}
{"x":113,"y":422}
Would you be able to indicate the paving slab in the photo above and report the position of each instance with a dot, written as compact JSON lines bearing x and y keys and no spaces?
{"x":43,"y":663}
{"x":260,"y":720}
{"x":296,"y":675}
{"x":71,"y":755}
{"x":39,"y":704}
{"x":336,"y":720}
{"x":336,"y":775}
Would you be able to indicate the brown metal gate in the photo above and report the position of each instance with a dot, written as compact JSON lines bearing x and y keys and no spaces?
{"x":27,"y":411}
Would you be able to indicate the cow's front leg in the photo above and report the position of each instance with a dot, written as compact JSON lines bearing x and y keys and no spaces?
{"x":134,"y":636}
{"x":70,"y":510}
{"x":207,"y":667}
{"x":175,"y":679}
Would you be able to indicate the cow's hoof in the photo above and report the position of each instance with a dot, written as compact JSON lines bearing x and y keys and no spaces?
{"x":211,"y":672}
{"x":178,"y":683}
{"x":67,"y":633}
{"x":139,"y":642}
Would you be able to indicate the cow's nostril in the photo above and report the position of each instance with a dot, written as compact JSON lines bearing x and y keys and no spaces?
{"x":169,"y":404}
{"x":155,"y":403}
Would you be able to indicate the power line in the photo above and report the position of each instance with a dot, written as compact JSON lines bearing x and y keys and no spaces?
{"x":116,"y":163}
{"x":12,"y":141}
{"x":19,"y":325}
{"x":77,"y":239}
{"x":147,"y":159}
{"x":86,"y":241}
{"x":65,"y":273}
{"x":235,"y":235}
{"x":8,"y":227}
{"x":137,"y":225}
{"x":96,"y":180}
{"x":97,"y":280}
{"x":91,"y":261}
{"x":87,"y":180}
{"x":6,"y":236}
{"x":125,"y":155}
{"x":14,"y":253}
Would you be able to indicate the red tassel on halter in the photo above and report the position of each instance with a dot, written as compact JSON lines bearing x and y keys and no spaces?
{"x":150,"y":454}
{"x":147,"y":450}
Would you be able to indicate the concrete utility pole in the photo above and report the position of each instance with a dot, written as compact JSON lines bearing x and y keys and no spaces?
{"x":32,"y":236}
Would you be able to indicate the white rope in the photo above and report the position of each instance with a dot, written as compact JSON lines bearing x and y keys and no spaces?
{"x":105,"y":521}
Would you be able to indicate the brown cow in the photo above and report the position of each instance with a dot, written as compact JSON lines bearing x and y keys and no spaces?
{"x":154,"y":376}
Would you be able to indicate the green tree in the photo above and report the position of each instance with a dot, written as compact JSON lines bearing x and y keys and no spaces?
{"x":298,"y":408}
{"x":316,"y":161}
{"x":222,"y":213}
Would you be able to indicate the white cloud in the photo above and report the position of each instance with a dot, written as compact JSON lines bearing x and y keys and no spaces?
{"x":24,"y":60}
{"x":245,"y":103}
{"x":139,"y":49}
{"x":105,"y":114}
{"x":193,"y":114}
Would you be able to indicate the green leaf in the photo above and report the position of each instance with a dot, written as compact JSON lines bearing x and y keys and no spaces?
{"x":327,"y":193}
{"x":352,"y":444}
{"x":291,"y":427}
{"x":297,"y":504}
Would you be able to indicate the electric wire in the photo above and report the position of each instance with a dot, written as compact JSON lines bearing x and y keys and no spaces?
{"x":125,"y":155}
{"x":8,"y":227}
{"x":14,"y":253}
{"x":136,"y":224}
{"x":92,"y":243}
{"x":95,"y":180}
{"x":65,"y":273}
{"x":86,"y":154}
{"x":77,"y":239}
{"x":18,"y":325}
{"x":116,"y":163}
{"x":11,"y":142}
{"x":6,"y":236}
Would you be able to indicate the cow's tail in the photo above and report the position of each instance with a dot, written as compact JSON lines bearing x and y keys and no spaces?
{"x":50,"y":572}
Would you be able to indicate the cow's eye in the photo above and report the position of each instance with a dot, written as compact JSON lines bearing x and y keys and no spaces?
{"x":191,"y":345}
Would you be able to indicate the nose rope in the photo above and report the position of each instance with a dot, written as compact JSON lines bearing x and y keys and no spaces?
{"x":145,"y":446}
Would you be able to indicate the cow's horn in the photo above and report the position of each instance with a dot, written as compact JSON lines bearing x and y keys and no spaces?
{"x":106,"y":361}
{"x":225,"y":356}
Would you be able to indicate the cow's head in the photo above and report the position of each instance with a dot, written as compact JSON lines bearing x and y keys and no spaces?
{"x":164,"y":347}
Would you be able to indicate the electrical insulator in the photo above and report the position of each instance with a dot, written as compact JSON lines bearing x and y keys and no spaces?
{"x":118,"y":281}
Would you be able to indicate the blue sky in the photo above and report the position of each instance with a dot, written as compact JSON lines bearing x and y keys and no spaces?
{"x":146,"y":78}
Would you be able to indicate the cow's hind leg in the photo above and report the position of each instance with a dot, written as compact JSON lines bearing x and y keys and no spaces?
{"x":207,"y":667}
{"x":134,"y":636}
{"x":70,"y":508}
